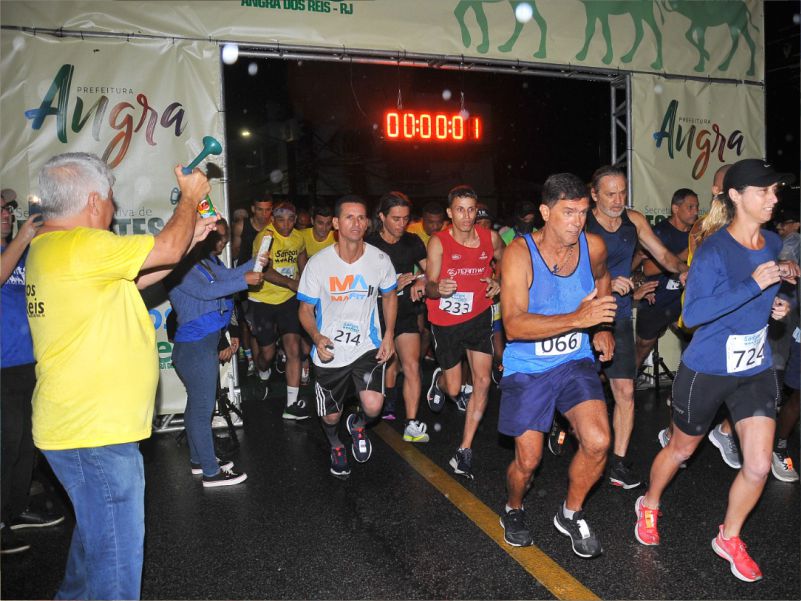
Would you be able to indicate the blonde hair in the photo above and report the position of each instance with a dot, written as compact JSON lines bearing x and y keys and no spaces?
{"x":720,"y":215}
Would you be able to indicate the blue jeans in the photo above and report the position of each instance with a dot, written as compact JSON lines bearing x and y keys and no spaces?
{"x":107,"y":488}
{"x":197,"y":364}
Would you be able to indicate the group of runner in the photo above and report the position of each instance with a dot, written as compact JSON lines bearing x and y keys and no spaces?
{"x":358,"y":300}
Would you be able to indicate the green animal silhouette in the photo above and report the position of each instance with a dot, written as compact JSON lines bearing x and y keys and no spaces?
{"x":711,"y":13}
{"x":640,"y":11}
{"x":477,"y":6}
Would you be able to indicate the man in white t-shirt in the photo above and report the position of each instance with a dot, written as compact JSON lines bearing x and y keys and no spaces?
{"x":338,"y":294}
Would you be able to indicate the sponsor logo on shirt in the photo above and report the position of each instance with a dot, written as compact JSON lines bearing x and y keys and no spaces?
{"x":482,"y":256}
{"x":351,"y":287}
{"x":453,"y":272}
{"x":456,"y":257}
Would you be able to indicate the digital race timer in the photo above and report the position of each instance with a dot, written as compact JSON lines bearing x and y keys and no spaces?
{"x":412,"y":126}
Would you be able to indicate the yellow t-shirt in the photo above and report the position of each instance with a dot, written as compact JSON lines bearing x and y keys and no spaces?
{"x":416,"y":228}
{"x":97,"y":366}
{"x":312,"y":245}
{"x":284,"y":253}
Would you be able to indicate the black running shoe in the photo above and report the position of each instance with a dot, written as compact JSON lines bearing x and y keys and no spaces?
{"x":280,"y":362}
{"x":557,"y":438}
{"x":197,"y":469}
{"x":515,"y":532}
{"x":296,"y":411}
{"x":225,"y":477}
{"x":339,"y":463}
{"x":362,"y":448}
{"x":461,"y":463}
{"x":435,"y":396}
{"x":585,"y":543}
{"x":622,"y":475}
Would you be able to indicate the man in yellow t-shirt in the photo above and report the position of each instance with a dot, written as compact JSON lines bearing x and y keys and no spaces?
{"x":432,"y":220}
{"x":321,"y":233}
{"x":273,"y":307}
{"x":86,"y":316}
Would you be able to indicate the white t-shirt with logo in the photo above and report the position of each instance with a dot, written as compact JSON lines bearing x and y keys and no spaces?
{"x":345,"y":300}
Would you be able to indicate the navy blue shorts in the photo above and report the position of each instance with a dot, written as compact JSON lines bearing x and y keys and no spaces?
{"x":528,"y":400}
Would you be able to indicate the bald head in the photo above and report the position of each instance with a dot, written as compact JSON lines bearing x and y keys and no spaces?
{"x":717,"y":181}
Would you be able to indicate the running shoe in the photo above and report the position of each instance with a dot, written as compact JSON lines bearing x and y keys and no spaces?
{"x":621,"y":474}
{"x":435,"y":396}
{"x":339,"y":463}
{"x":727,"y":447}
{"x":362,"y":448}
{"x":297,"y":411}
{"x":225,"y":477}
{"x":415,"y":431}
{"x":197,"y":470}
{"x":782,"y":467}
{"x":35,"y":519}
{"x":664,"y":439}
{"x":10,"y":543}
{"x":645,"y":531}
{"x":388,"y":412}
{"x":734,"y":551}
{"x":461,"y":462}
{"x":462,"y":400}
{"x":556,"y":438}
{"x":515,"y":532}
{"x":585,"y":543}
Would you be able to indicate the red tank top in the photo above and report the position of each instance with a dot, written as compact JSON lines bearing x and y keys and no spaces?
{"x":467,"y":266}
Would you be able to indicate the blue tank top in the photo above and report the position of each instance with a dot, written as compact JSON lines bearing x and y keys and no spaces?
{"x":620,"y":246}
{"x":552,"y":294}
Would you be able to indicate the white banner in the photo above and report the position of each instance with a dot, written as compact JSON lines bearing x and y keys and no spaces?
{"x":144,"y":106}
{"x":683,"y":131}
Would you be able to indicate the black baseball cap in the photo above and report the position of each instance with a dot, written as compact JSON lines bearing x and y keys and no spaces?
{"x":525,"y":207}
{"x":483,"y":213}
{"x":754,"y":172}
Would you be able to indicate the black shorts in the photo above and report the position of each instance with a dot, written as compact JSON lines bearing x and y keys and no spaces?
{"x":623,"y":365}
{"x":450,"y":342}
{"x":697,"y":398}
{"x":267,"y":322}
{"x":405,"y":322}
{"x":332,"y":385}
{"x":652,"y":321}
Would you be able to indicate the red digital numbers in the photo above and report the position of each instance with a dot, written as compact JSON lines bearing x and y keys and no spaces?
{"x":437,"y":127}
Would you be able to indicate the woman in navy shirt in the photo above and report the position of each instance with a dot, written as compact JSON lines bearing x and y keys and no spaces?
{"x":731,"y":295}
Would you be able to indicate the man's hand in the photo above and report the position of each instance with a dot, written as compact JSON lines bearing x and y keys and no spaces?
{"x":493,"y":287}
{"x":646,"y":291}
{"x":418,"y":290}
{"x":683,"y":277}
{"x":780,"y":308}
{"x":622,"y":285}
{"x":324,"y":348}
{"x":234,"y":343}
{"x":387,"y":349}
{"x":446,"y":287}
{"x":254,"y":278}
{"x":593,"y":311}
{"x":404,"y":280}
{"x":203,"y":227}
{"x":194,"y":187}
{"x":604,"y":343}
{"x":789,"y":271}
{"x":226,"y":354}
{"x":28,"y":229}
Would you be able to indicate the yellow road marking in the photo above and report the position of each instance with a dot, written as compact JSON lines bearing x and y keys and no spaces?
{"x":544,"y":569}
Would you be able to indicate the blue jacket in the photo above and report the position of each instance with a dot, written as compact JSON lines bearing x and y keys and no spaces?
{"x":200,"y":294}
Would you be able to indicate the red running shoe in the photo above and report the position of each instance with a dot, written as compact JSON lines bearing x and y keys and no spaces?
{"x":733,"y":550}
{"x":645,"y":530}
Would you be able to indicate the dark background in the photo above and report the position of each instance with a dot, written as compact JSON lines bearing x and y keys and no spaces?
{"x":315,"y":127}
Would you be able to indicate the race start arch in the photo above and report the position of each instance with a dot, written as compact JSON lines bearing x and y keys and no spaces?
{"x":140,"y":84}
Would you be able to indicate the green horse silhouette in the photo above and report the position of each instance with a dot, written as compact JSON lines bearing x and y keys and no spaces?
{"x":711,"y":13}
{"x":641,"y":11}
{"x":477,"y":6}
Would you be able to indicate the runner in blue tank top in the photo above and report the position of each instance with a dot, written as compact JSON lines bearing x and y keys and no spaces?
{"x":621,"y":229}
{"x":556,"y":288}
{"x":731,"y":294}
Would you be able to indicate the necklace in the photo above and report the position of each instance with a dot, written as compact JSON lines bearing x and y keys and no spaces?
{"x":556,"y":267}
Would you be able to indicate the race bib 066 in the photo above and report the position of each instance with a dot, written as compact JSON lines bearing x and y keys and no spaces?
{"x":558,"y":345}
